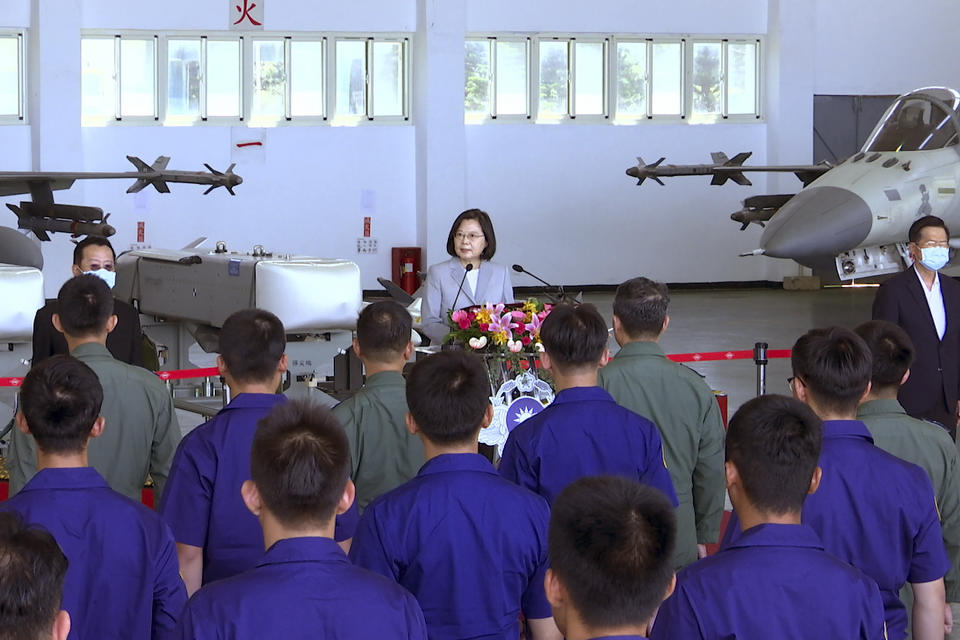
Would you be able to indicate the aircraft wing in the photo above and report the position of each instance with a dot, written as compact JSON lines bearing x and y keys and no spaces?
{"x":15,"y":184}
{"x":723,"y":169}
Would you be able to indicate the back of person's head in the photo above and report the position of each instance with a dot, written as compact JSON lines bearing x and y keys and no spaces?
{"x":91,"y":241}
{"x":891,"y":349}
{"x":383,"y":331}
{"x":641,"y":306}
{"x":774,"y":442}
{"x":84,"y":305}
{"x":448,"y":394}
{"x":574,"y":337}
{"x":300,"y":463}
{"x":834,"y":365}
{"x":486,"y":226}
{"x":611,"y":546}
{"x":922,"y":223}
{"x":60,"y":399}
{"x":32,"y":570}
{"x":252,"y":342}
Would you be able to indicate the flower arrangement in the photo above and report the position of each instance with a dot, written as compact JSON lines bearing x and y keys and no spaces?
{"x":500,"y":329}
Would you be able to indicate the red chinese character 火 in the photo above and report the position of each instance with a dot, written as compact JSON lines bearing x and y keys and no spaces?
{"x":245,"y":13}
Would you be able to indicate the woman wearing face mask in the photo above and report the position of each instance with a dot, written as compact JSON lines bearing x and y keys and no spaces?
{"x":926,"y":305}
{"x":471,"y":244}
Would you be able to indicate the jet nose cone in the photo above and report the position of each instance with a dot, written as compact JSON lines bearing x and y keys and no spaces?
{"x":633,"y":172}
{"x":817,"y":222}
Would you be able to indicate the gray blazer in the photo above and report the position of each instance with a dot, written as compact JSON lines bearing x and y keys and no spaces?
{"x":443,"y":280}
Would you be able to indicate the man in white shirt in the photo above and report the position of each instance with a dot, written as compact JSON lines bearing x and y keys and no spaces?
{"x":927,"y":306}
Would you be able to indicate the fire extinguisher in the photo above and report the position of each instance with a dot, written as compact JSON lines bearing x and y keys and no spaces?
{"x":408,"y":275}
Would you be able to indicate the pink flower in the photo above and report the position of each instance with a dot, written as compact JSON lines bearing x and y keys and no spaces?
{"x":519,"y":315}
{"x":526,"y":340}
{"x":461,"y":318}
{"x":515,"y":346}
{"x":533,"y":327}
{"x":502,"y":324}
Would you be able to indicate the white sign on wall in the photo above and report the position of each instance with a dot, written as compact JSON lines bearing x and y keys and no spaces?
{"x":246,"y":15}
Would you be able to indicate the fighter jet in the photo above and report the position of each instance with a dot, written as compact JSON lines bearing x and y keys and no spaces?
{"x":854,"y":216}
{"x":42,"y":216}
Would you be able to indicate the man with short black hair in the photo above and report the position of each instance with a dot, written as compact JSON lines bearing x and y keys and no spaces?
{"x":872,"y":509}
{"x":32,"y":569}
{"x":927,"y":307}
{"x":611,"y":557}
{"x":383,"y":455}
{"x":679,"y":402}
{"x":303,"y":586}
{"x":217,"y":536}
{"x":583,"y":432}
{"x":93,"y":255}
{"x":122,"y":581}
{"x":469,"y":545}
{"x":142,"y":433}
{"x":922,"y":443}
{"x":776,"y":579}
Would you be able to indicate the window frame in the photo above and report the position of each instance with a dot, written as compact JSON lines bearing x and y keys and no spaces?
{"x":571,"y":115}
{"x":245,"y":70}
{"x":611,"y":78}
{"x":725,"y":115}
{"x":21,"y":116}
{"x":492,"y":115}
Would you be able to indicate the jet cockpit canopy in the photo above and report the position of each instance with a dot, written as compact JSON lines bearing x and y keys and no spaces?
{"x":922,"y":120}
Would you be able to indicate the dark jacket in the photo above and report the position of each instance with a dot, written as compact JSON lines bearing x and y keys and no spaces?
{"x":935,"y":374}
{"x":124,"y":342}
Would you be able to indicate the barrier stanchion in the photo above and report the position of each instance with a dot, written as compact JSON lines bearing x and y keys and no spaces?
{"x":760,"y":359}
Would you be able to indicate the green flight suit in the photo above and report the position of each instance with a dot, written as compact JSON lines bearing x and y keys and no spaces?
{"x":930,"y":447}
{"x":383,"y":454}
{"x":679,"y":402}
{"x":140,"y":434}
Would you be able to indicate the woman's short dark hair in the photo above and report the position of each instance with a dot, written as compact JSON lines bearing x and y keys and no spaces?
{"x":485,"y":225}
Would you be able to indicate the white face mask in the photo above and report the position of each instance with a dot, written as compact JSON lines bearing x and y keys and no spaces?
{"x":110,"y":277}
{"x":934,"y":258}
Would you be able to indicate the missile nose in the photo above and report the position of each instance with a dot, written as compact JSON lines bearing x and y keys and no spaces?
{"x":817,"y":222}
{"x":633,"y":172}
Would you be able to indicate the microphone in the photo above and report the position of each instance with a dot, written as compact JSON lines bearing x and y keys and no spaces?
{"x":520,"y":269}
{"x":467,"y":269}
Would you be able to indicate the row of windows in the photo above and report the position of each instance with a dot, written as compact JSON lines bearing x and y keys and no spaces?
{"x":11,"y":76}
{"x":263,"y":80}
{"x":183,"y":79}
{"x":554,"y":78}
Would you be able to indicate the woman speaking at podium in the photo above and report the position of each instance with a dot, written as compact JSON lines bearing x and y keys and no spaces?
{"x":471,"y":244}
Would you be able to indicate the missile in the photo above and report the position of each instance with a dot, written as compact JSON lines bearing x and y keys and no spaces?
{"x":158,"y":176}
{"x":62,"y":218}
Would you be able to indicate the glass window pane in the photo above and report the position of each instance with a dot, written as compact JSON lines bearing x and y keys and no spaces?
{"x":667,"y":81}
{"x":741,"y":78}
{"x":98,"y":83}
{"x":183,"y":77}
{"x":268,"y":79}
{"x":553,"y":78}
{"x":223,"y":78}
{"x":632,"y":79}
{"x":387,"y":79}
{"x":589,"y":71}
{"x":476,"y":90}
{"x":707,"y":98}
{"x":511,"y":74}
{"x":137,"y":84}
{"x":306,"y":78}
{"x":351,"y":77}
{"x":9,"y":76}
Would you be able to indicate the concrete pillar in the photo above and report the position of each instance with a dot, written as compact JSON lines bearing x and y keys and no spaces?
{"x":438,"y":78}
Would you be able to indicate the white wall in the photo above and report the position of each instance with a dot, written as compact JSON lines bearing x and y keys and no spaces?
{"x":558,"y":193}
{"x":885,"y":46}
